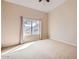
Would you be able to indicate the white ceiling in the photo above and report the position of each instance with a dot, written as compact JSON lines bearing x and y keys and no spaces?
{"x":41,"y":6}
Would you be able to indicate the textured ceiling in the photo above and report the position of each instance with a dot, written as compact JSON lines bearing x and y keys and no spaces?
{"x":41,"y":6}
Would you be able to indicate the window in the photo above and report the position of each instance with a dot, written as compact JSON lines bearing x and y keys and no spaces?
{"x":31,"y":27}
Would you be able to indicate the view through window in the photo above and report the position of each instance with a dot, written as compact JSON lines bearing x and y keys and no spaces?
{"x":31,"y":27}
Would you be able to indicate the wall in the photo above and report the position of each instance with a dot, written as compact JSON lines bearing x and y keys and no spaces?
{"x":11,"y":22}
{"x":63,"y":23}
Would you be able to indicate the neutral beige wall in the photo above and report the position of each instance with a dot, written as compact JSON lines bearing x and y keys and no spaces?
{"x":11,"y":22}
{"x":62,"y":23}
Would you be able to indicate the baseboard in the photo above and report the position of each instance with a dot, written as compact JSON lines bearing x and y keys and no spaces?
{"x":66,"y":42}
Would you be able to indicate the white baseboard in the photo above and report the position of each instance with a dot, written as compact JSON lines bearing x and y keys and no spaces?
{"x":73,"y":44}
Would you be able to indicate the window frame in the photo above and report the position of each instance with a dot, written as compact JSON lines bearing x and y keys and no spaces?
{"x":21,"y":28}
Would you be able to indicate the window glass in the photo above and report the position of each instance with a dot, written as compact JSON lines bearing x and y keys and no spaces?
{"x":31,"y":27}
{"x":35,"y":27}
{"x":27,"y":28}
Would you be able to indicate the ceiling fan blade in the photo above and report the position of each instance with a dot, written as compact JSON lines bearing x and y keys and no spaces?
{"x":40,"y":0}
{"x":48,"y":0}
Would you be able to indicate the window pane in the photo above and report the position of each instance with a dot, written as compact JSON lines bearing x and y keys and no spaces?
{"x":27,"y":28}
{"x":35,"y":27}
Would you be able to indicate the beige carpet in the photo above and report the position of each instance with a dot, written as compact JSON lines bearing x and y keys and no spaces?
{"x":43,"y":49}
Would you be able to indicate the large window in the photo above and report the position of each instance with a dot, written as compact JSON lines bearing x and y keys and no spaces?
{"x":31,"y":27}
